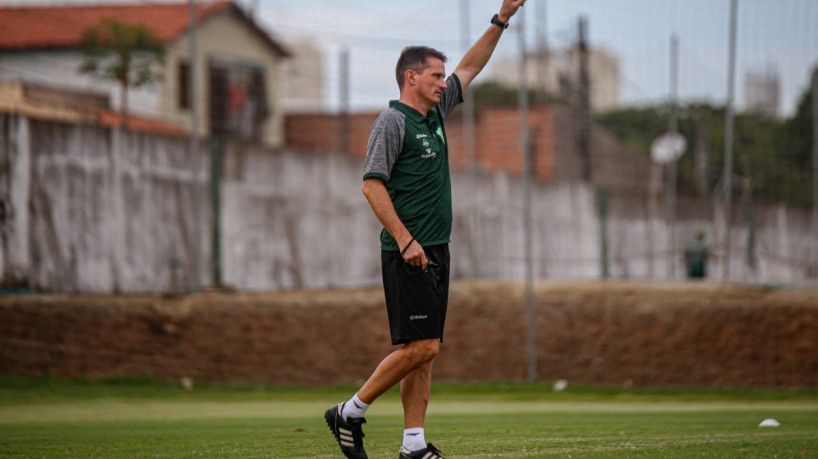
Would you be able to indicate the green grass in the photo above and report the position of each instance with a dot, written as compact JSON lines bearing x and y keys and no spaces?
{"x":131,"y":418}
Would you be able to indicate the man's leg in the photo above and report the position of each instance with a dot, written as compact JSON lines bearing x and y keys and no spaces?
{"x":346,"y":425}
{"x":421,"y":291}
{"x":414,"y":394}
{"x":397,"y":365}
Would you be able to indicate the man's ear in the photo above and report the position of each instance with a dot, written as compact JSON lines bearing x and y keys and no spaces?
{"x":411,"y":75}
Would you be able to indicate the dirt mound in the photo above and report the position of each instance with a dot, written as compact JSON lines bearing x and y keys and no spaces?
{"x":613,"y":333}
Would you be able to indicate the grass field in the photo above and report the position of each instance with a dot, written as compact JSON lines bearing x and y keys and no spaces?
{"x":150,"y":419}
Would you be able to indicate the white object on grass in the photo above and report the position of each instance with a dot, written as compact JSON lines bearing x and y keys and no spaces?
{"x":769,"y":423}
{"x":560,"y":385}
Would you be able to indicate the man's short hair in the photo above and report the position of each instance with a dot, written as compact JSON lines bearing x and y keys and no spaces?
{"x":414,"y":58}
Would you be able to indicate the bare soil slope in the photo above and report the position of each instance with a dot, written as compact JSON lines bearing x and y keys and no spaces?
{"x":613,"y":333}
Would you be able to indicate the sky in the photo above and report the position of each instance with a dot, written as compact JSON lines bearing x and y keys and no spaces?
{"x":778,"y":34}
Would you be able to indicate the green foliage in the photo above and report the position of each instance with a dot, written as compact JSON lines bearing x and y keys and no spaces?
{"x":126,"y":53}
{"x":773,"y":157}
{"x":492,"y":93}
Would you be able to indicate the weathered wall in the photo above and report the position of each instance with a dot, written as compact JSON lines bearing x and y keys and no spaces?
{"x":611,"y":333}
{"x":98,"y":210}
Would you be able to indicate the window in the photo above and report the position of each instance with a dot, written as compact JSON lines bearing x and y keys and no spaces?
{"x":183,"y":85}
{"x":238,"y":98}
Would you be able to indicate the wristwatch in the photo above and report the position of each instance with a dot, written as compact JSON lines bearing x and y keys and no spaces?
{"x":496,"y":21}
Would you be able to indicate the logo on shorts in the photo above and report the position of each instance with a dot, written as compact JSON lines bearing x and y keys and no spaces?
{"x":417,"y":317}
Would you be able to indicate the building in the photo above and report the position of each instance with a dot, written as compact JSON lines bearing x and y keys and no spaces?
{"x":303,"y":77}
{"x":762,"y":92}
{"x":554,"y":133}
{"x":239,"y":65}
{"x":557,"y":72}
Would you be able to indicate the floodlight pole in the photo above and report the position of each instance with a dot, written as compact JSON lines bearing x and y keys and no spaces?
{"x":525,"y":143}
{"x":343,"y":89}
{"x":469,"y":146}
{"x":815,"y":157}
{"x":671,"y":186}
{"x":728,"y":141}
{"x":468,"y":103}
{"x":542,"y":50}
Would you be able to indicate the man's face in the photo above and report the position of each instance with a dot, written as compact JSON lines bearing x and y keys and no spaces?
{"x":430,"y":84}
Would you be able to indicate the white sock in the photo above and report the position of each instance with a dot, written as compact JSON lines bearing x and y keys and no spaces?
{"x":354,"y":408}
{"x":413,"y":439}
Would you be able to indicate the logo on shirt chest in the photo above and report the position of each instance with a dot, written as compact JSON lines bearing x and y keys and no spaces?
{"x":426,"y":147}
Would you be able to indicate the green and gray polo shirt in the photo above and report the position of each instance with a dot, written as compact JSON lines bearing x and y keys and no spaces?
{"x":408,"y":151}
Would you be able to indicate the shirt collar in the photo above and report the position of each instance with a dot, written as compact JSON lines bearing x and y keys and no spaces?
{"x":409,"y":111}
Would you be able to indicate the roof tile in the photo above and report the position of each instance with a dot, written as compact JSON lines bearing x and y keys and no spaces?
{"x":44,"y":27}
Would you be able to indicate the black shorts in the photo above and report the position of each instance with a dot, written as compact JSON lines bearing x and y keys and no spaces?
{"x":416,"y":300}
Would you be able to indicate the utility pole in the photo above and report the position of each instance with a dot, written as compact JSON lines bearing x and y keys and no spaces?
{"x":469,"y":145}
{"x":815,"y":157}
{"x":542,"y":50}
{"x":584,"y":138}
{"x":193,"y":154}
{"x":252,"y":9}
{"x":728,"y":141}
{"x":525,"y":143}
{"x":217,"y":144}
{"x":468,"y":103}
{"x":673,"y":128}
{"x":343,"y":134}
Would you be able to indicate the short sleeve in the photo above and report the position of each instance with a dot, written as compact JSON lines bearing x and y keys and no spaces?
{"x":385,"y":143}
{"x":452,"y":95}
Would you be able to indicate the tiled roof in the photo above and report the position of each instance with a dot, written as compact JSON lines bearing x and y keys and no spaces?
{"x":62,"y":26}
{"x":110,"y":118}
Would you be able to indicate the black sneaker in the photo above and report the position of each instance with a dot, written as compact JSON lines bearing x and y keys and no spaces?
{"x":430,"y":452}
{"x":348,"y":433}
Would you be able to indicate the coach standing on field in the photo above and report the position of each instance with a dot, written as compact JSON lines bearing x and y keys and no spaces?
{"x":407,"y":184}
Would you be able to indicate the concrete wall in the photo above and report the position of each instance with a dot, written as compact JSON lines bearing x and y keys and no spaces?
{"x":101,"y":210}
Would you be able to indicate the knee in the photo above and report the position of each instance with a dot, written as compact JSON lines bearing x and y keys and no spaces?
{"x":424,"y":350}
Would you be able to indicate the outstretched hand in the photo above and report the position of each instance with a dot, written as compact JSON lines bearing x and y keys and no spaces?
{"x":509,"y":8}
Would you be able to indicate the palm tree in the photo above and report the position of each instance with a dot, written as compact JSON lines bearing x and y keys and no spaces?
{"x":129,"y":54}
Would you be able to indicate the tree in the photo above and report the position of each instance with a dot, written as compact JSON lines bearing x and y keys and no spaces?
{"x":773,"y":154}
{"x":492,"y":93}
{"x":128,"y":54}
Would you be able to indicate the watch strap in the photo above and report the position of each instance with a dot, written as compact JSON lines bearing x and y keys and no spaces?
{"x":496,"y":21}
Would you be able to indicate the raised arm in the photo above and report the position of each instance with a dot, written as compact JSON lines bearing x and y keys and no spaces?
{"x":479,"y":54}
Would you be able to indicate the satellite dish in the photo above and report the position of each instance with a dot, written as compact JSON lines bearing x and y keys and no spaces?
{"x":668,"y":147}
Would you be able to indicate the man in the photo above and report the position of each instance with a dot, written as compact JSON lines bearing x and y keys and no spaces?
{"x":407,"y":184}
{"x":696,"y":255}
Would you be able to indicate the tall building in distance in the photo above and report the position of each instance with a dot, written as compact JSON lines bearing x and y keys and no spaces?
{"x":302,"y":82}
{"x":556,"y":71}
{"x":762,"y":92}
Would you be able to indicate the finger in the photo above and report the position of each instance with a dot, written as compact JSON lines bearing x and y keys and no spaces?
{"x":424,"y":263}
